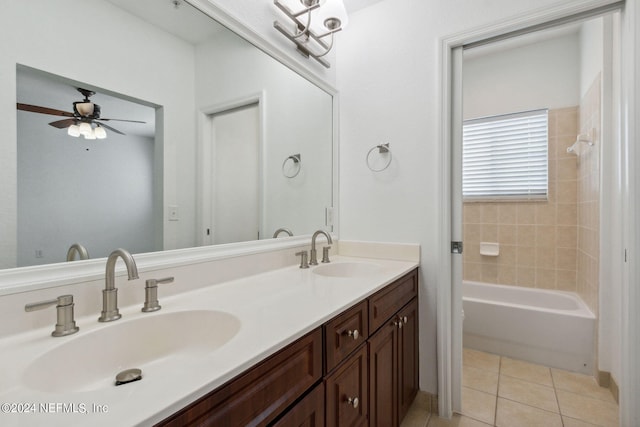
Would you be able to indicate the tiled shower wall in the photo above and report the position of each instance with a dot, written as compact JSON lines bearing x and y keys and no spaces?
{"x":538,"y":240}
{"x":588,"y":170}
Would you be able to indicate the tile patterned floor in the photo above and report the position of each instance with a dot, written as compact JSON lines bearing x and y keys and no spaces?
{"x":503,"y":392}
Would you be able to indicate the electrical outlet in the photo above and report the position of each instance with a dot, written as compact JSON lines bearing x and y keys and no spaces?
{"x":329,"y":216}
{"x":173,"y":213}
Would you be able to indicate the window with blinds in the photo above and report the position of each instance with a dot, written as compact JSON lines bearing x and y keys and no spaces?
{"x":505,"y":157}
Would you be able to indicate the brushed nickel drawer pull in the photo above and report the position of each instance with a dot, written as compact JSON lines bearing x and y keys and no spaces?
{"x":354,"y":334}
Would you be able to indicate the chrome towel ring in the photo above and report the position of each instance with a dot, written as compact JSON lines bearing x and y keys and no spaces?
{"x":294,"y":168}
{"x":383,"y":150}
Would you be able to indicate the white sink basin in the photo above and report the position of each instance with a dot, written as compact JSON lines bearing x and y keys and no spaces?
{"x":158,"y":344}
{"x":348,"y":269}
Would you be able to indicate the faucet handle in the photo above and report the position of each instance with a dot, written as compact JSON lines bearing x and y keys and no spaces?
{"x":151,"y":294}
{"x":304,"y":257}
{"x":325,"y":254}
{"x":65,"y":324}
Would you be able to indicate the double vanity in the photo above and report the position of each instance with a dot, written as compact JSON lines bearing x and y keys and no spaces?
{"x":335,"y":343}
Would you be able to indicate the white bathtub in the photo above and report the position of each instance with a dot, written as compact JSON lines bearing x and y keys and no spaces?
{"x":551,"y":328}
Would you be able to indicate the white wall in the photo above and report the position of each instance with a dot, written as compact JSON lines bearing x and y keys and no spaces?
{"x":97,"y":194}
{"x":297,"y":117}
{"x":388,"y":81}
{"x":542,"y":74}
{"x":100,"y":59}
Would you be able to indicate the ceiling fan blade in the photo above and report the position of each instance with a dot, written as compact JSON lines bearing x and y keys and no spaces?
{"x":61,"y":124}
{"x":43,"y":110}
{"x":111,"y":129}
{"x":121,"y":120}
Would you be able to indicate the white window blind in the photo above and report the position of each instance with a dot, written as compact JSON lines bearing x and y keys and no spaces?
{"x":505,"y":157}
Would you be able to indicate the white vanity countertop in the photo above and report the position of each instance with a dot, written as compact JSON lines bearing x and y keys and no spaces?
{"x":274,"y":309}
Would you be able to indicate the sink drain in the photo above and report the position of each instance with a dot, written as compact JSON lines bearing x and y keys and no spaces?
{"x":128,"y":376}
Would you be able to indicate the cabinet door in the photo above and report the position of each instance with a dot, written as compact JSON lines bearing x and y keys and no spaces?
{"x":383,"y":381}
{"x":309,"y":412}
{"x":407,"y":357}
{"x":347,"y":392}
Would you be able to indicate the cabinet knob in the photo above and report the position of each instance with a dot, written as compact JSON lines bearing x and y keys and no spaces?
{"x":353,"y":401}
{"x":404,"y":319}
{"x":398,"y":322}
{"x":354,"y":334}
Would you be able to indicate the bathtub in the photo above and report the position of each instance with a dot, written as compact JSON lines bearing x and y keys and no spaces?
{"x":551,"y":328}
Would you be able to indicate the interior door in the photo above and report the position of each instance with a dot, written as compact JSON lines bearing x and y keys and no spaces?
{"x":235,"y":208}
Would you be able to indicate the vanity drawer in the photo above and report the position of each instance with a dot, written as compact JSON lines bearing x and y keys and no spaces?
{"x":344,"y":333}
{"x":385,"y":303}
{"x":258,"y":396}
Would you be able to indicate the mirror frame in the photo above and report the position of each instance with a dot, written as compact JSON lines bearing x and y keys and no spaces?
{"x":23,"y":279}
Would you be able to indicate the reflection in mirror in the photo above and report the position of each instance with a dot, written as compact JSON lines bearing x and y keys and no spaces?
{"x":206,"y":167}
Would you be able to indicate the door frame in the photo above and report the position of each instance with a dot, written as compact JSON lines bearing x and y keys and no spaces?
{"x":205,"y":159}
{"x":449,"y":335}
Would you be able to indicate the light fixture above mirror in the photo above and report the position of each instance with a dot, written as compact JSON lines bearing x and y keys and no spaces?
{"x":314,"y":22}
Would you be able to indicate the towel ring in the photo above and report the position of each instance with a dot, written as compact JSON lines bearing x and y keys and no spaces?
{"x":382,"y":149}
{"x":297,"y":161}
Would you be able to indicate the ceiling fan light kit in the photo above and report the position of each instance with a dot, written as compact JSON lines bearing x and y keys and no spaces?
{"x":84,"y":121}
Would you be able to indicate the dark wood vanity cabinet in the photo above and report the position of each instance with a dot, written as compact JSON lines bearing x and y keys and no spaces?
{"x":359,"y":369}
{"x":393,"y":354}
{"x":262,"y":393}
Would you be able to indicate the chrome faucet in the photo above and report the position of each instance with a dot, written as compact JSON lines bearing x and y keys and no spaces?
{"x":77,"y":248}
{"x":282,"y":230}
{"x":110,"y":310}
{"x":325,"y":250}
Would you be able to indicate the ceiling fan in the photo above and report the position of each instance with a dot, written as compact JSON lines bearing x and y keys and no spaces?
{"x":85,"y":119}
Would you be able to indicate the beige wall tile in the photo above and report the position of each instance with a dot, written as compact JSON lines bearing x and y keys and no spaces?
{"x":526,"y":213}
{"x":526,"y":276}
{"x":566,"y":169}
{"x":507,"y":275}
{"x":507,"y":234}
{"x":546,"y":214}
{"x":508,"y":255}
{"x":546,"y":258}
{"x":526,"y":235}
{"x":545,"y":278}
{"x":566,"y":236}
{"x":507,"y":213}
{"x":567,"y":214}
{"x":489,"y":233}
{"x":566,"y":280}
{"x":526,"y":256}
{"x":490,"y":213}
{"x":545,"y":236}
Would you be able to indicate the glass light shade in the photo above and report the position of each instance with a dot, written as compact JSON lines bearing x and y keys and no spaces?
{"x":99,"y":132}
{"x":90,"y":135}
{"x":74,"y":130}
{"x":331,"y":9}
{"x":85,"y":128}
{"x":84,"y":108}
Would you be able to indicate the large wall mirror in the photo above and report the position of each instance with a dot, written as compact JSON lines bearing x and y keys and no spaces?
{"x":210,"y":140}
